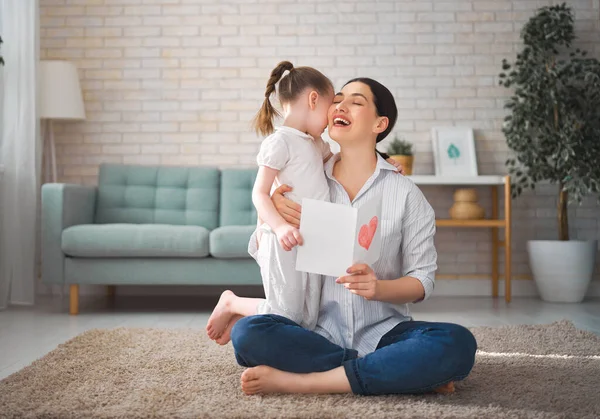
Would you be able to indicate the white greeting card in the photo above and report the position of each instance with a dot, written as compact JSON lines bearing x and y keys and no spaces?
{"x":338,"y":236}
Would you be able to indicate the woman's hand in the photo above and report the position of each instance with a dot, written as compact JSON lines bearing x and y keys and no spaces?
{"x":361,"y":281}
{"x":288,"y":209}
{"x":397,"y":164}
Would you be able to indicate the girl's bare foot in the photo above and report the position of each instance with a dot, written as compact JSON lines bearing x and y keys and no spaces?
{"x":226,"y":336}
{"x":263,"y":380}
{"x":221,"y":316}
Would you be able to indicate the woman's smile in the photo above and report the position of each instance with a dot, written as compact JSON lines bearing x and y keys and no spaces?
{"x":341,"y":121}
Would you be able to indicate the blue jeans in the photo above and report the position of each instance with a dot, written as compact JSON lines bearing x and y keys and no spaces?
{"x":413,"y":357}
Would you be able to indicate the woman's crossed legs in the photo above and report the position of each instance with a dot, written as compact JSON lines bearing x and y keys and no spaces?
{"x":414,"y":357}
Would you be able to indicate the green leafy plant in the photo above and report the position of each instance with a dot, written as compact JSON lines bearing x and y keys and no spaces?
{"x":399,"y":146}
{"x":553,"y":127}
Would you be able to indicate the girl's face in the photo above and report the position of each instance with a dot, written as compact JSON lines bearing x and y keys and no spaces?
{"x":319,"y":107}
{"x":353,"y":115}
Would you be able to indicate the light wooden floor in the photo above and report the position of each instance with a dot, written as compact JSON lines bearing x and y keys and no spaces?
{"x":28,"y":333}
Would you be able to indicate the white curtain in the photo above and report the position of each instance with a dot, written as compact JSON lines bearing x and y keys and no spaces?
{"x":20,"y":153}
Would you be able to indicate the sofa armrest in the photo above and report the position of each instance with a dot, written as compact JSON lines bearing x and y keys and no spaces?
{"x":63,"y":205}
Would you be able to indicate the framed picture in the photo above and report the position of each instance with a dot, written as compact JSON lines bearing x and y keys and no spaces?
{"x":454,"y":151}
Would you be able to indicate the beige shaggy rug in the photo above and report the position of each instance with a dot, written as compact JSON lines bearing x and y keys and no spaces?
{"x":549,"y":371}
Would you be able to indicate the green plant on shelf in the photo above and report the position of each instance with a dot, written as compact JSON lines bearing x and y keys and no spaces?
{"x":400,"y":147}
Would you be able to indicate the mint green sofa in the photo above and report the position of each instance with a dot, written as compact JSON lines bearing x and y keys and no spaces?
{"x":146,"y":225}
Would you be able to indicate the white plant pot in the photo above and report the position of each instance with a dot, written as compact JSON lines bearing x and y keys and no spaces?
{"x":562,"y":270}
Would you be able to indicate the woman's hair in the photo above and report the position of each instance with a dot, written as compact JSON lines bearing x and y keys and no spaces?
{"x":384,"y":103}
{"x":290,"y":86}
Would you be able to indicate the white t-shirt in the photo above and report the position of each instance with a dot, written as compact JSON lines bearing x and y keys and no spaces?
{"x":299,"y":159}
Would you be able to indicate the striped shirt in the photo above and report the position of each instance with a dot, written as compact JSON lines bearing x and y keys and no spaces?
{"x":407,"y":249}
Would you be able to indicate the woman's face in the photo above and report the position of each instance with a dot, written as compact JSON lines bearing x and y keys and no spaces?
{"x":353,"y":115}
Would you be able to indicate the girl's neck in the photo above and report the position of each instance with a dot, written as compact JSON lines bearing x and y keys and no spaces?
{"x":294,"y":119}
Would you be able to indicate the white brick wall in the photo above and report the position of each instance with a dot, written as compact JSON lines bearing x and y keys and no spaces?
{"x":177,"y":82}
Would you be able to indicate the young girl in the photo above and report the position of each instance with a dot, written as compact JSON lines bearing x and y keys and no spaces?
{"x":294,"y":155}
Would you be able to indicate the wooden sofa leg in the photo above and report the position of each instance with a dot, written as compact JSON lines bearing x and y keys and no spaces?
{"x":74,"y":299}
{"x":111,"y":291}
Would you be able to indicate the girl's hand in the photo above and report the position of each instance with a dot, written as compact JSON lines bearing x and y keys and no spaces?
{"x":288,"y":209}
{"x":361,"y":281}
{"x":397,"y":164}
{"x":288,"y":236}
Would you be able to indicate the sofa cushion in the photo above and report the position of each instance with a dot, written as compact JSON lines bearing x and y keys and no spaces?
{"x":158,"y":195}
{"x":236,"y":206}
{"x":135,"y":240}
{"x":230,"y":241}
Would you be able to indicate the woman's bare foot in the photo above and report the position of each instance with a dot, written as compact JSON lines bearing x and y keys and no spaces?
{"x":221,"y":316}
{"x":446,"y":388}
{"x":264,"y":380}
{"x":226,"y":336}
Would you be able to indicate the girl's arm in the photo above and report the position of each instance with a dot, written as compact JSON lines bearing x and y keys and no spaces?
{"x":288,"y":236}
{"x":261,"y":199}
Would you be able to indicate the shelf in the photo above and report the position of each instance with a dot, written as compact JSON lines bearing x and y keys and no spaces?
{"x":470,"y":223}
{"x":456,"y":180}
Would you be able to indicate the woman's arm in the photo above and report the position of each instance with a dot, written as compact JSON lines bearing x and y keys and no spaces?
{"x":288,"y":235}
{"x":363,"y":281}
{"x":419,"y":256}
{"x":401,"y":291}
{"x":419,"y":260}
{"x":288,"y":209}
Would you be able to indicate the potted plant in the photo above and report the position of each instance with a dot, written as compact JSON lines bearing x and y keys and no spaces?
{"x":402,"y":151}
{"x":553,"y":129}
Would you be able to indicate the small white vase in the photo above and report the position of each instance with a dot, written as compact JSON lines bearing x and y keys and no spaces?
{"x":562,"y":270}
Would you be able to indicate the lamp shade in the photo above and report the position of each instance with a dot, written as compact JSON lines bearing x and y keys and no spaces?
{"x":60,"y":92}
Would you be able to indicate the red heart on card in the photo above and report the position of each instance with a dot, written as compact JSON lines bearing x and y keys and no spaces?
{"x":367,"y":232}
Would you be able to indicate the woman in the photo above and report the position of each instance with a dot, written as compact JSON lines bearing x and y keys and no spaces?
{"x":365,"y":341}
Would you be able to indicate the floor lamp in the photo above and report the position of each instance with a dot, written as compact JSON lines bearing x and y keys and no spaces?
{"x":60,"y":100}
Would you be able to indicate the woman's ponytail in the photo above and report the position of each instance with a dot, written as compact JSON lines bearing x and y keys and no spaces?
{"x":382,"y":154}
